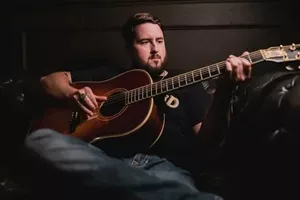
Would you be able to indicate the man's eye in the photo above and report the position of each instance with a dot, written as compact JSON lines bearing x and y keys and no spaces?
{"x":144,"y":42}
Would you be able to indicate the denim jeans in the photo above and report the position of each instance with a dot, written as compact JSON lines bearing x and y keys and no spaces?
{"x":64,"y":166}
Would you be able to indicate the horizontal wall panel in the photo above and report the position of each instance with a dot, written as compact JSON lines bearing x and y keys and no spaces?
{"x":93,"y":16}
{"x":187,"y":49}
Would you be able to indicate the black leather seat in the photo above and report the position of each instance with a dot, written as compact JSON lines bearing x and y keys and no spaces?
{"x":264,"y":138}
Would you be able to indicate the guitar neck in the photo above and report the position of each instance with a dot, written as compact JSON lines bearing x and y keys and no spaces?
{"x":185,"y":79}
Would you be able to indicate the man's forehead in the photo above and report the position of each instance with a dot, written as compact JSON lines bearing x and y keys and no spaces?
{"x":148,"y":31}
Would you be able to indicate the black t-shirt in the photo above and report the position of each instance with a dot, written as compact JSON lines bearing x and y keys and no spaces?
{"x":183,"y":108}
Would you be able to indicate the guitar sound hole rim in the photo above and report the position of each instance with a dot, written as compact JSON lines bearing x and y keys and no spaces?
{"x":117,"y":114}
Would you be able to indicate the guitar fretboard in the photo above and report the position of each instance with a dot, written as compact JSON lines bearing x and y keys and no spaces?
{"x":185,"y":79}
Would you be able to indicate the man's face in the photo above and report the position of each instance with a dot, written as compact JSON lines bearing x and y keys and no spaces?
{"x":149,"y":50}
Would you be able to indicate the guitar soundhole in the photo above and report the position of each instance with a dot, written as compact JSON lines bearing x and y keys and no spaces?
{"x":113,"y":105}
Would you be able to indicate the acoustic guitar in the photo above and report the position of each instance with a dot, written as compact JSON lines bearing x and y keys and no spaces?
{"x":129,"y":116}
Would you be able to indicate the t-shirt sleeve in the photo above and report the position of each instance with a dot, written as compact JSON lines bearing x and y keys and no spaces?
{"x":197,"y":102}
{"x":95,"y":74}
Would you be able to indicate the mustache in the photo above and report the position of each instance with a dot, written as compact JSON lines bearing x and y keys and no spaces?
{"x":155,"y":56}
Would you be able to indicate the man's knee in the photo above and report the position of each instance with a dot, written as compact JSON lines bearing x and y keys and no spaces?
{"x":39,"y":138}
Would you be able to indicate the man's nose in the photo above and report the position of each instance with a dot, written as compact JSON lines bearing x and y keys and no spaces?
{"x":154,"y":47}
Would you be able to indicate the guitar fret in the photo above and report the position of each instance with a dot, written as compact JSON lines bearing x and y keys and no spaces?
{"x":208,"y":68}
{"x":126,"y":98}
{"x":129,"y":94}
{"x":189,"y":78}
{"x":196,"y":75}
{"x":172,"y":83}
{"x":152,"y":92}
{"x":136,"y":95}
{"x":218,"y":68}
{"x":201,"y":75}
{"x":175,"y":85}
{"x":166,"y":84}
{"x":147,"y":91}
{"x":193,"y":77}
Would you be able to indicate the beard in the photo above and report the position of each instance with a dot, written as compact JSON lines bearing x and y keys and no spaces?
{"x":154,"y":71}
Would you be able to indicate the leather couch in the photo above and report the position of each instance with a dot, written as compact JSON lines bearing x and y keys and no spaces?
{"x":263,"y":141}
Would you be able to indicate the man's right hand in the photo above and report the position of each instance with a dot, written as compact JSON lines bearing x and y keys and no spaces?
{"x":87,"y":101}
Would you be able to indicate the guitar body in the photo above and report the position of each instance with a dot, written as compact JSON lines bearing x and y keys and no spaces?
{"x":133,"y":126}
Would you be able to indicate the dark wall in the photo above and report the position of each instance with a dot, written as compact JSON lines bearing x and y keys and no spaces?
{"x":81,"y":33}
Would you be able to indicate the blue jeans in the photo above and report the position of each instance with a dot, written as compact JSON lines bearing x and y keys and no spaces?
{"x":68,"y":166}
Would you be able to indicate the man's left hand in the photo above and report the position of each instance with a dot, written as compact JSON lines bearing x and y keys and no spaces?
{"x":238,"y":69}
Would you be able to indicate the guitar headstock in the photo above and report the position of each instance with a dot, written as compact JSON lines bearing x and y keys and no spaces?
{"x":282,"y":53}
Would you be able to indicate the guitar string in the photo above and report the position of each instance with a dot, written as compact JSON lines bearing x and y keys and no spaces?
{"x":188,"y":75}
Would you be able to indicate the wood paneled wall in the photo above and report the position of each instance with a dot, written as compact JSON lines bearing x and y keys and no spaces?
{"x":69,"y":34}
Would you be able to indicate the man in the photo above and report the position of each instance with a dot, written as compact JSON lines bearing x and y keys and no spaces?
{"x":76,"y":168}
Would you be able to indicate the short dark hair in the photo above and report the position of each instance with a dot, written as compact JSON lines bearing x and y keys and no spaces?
{"x":128,"y":29}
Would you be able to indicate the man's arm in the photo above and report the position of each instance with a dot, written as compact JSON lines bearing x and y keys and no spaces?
{"x":58,"y":85}
{"x":211,"y":131}
{"x":213,"y":128}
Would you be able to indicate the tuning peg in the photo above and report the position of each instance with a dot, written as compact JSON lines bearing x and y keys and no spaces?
{"x":281,"y":47}
{"x":293,"y":47}
{"x":298,"y":55}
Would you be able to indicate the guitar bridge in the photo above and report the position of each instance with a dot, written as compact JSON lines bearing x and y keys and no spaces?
{"x":74,"y":121}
